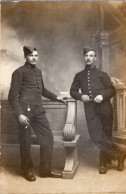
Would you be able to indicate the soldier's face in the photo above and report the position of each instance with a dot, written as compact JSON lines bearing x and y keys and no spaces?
{"x":90,"y":57}
{"x":32,"y":58}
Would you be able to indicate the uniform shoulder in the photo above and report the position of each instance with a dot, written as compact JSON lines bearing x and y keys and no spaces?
{"x":79,"y":73}
{"x":19,"y":69}
{"x":38,"y":69}
{"x":101,"y":72}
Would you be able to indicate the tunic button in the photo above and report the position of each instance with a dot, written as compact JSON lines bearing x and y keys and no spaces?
{"x":89,"y":91}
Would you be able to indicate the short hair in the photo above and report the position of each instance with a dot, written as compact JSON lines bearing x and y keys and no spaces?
{"x":87,"y":49}
{"x":28,"y":50}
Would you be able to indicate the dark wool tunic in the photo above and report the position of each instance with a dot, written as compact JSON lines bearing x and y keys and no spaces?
{"x":27,"y":87}
{"x":99,"y":116}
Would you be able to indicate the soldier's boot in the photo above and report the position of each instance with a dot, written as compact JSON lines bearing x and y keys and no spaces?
{"x":102,"y":165}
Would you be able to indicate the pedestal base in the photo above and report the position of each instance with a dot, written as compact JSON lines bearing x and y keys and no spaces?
{"x":72,"y":161}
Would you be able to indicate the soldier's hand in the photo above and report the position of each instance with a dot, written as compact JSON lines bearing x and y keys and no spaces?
{"x":60,"y":98}
{"x":98,"y":99}
{"x":23,"y":120}
{"x":85,"y":98}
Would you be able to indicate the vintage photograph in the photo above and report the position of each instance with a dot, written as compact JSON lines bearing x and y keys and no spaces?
{"x":63,"y":97}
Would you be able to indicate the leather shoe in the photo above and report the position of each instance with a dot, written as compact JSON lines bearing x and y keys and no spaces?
{"x":120,"y":166}
{"x":102,"y":169}
{"x":51,"y":174}
{"x":28,"y":175}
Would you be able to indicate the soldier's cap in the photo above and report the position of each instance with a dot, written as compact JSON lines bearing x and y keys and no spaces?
{"x":87,"y":49}
{"x":28,"y":50}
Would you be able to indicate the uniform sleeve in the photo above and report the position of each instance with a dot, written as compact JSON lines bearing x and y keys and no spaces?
{"x":109,"y":90}
{"x":74,"y":90}
{"x":14,"y":91}
{"x":46,"y":93}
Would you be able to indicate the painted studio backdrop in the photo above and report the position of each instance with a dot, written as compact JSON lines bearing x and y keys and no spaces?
{"x":60,"y":30}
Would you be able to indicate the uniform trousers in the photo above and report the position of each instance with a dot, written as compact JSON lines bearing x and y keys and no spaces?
{"x":40,"y":125}
{"x":99,"y":118}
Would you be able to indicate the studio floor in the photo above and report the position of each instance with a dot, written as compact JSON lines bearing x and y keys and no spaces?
{"x":86,"y":180}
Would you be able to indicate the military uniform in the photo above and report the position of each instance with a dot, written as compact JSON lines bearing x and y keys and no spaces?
{"x":25,"y":96}
{"x":99,"y":116}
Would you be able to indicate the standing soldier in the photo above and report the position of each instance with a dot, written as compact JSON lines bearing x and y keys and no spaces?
{"x":96,"y":92}
{"x":25,"y":96}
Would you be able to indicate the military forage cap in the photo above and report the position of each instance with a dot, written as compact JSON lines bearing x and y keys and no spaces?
{"x":28,"y":50}
{"x":87,"y":49}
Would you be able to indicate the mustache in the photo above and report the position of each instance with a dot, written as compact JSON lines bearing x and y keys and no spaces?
{"x":34,"y":60}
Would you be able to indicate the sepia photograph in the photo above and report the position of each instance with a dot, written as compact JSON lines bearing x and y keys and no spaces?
{"x":62,"y":97}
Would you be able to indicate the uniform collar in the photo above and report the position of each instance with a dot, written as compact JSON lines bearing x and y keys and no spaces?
{"x":30,"y":66}
{"x":89,"y":67}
